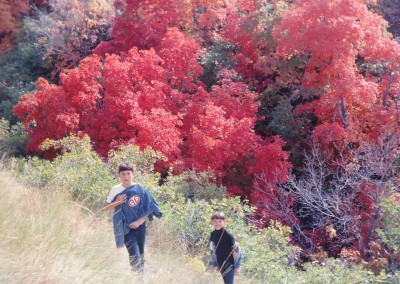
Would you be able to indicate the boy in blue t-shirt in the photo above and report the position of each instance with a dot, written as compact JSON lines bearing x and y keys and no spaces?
{"x":132,"y":204}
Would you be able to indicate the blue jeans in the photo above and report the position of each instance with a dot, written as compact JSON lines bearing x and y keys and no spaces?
{"x":228,"y":273}
{"x":134,"y":242}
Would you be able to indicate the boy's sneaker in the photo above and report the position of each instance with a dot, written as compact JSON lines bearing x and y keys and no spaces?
{"x":136,"y":271}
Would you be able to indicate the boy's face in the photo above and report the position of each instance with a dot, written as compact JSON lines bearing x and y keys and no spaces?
{"x":218,"y":224}
{"x":126,"y":178}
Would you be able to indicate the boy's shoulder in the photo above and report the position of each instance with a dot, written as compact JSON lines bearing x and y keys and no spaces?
{"x":221,"y":232}
{"x":117,"y":186}
{"x":227,"y":234}
{"x":136,"y":189}
{"x":117,"y":189}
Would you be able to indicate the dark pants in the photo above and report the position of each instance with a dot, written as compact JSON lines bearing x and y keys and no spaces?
{"x":134,"y":242}
{"x":228,"y":273}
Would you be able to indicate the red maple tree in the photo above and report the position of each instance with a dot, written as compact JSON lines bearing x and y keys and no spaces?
{"x":153,"y":99}
{"x":10,"y":13}
{"x":336,"y":36}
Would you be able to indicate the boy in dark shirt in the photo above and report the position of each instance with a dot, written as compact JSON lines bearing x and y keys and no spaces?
{"x":225,"y":253}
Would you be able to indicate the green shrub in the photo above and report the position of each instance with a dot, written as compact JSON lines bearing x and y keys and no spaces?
{"x":266,"y":251}
{"x":12,"y":138}
{"x":390,"y":232}
{"x":335,"y":271}
{"x":191,"y":186}
{"x":79,"y":170}
{"x":35,"y":172}
{"x":19,"y":70}
{"x":189,"y":223}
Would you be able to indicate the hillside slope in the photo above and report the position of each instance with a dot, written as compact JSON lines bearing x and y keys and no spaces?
{"x":47,"y":238}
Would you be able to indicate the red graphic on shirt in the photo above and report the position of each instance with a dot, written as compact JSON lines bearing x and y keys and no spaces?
{"x":134,"y":200}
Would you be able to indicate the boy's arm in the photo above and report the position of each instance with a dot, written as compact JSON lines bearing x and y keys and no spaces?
{"x":237,"y":256}
{"x":138,"y":222}
{"x":213,"y":257}
{"x":118,"y":201}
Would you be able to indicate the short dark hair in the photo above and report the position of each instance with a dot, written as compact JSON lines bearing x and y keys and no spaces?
{"x":125,"y":167}
{"x":218,"y":215}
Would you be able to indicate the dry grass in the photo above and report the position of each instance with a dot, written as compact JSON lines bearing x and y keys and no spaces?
{"x":46,"y":238}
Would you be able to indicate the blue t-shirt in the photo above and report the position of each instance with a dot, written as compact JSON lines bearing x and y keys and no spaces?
{"x":139,"y":203}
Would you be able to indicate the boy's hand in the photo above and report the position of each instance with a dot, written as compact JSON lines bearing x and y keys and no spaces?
{"x":237,"y":271}
{"x":117,"y":202}
{"x":134,"y":225}
{"x":137,"y":223}
{"x":121,"y":197}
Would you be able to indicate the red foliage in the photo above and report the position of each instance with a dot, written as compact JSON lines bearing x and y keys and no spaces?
{"x":180,"y":54}
{"x":153,"y":99}
{"x":145,"y":23}
{"x":334,"y":34}
{"x":331,"y":136}
{"x":245,"y":27}
{"x":273,"y":204}
{"x":46,"y":117}
{"x":271,"y":167}
{"x":365,"y":206}
{"x":10,"y":15}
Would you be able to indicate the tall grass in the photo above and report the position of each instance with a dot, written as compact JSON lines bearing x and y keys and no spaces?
{"x":47,"y":238}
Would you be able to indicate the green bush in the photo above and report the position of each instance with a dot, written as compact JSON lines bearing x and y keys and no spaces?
{"x":390,"y":232}
{"x":19,"y":70}
{"x":266,"y":251}
{"x":12,"y":138}
{"x":335,"y":271}
{"x":79,"y":170}
{"x":192,"y":186}
{"x":189,"y":223}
